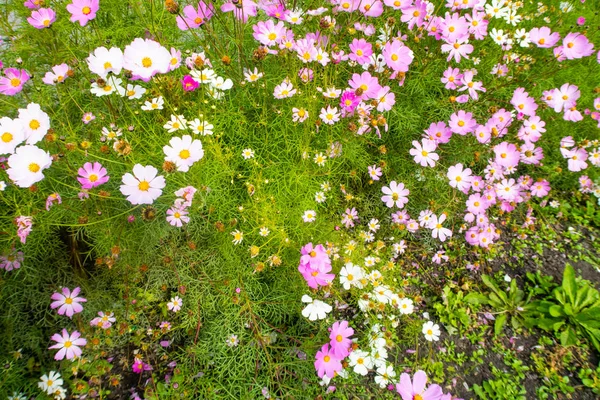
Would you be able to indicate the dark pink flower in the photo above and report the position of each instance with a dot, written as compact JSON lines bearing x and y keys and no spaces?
{"x":42,"y":18}
{"x":189,"y":84}
{"x":326,"y":363}
{"x":13,"y":80}
{"x":340,"y":339}
{"x":83,"y":11}
{"x":92,"y":175}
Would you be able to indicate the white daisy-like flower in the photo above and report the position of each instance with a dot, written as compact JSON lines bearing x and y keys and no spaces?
{"x":145,"y":58}
{"x":315,"y":309}
{"x":431,"y":331}
{"x":252,"y":75}
{"x":205,"y":76}
{"x":184,"y":152}
{"x":201,"y":127}
{"x":144,"y":186}
{"x":177,"y":122}
{"x":134,"y":91}
{"x":26,"y":165}
{"x":111,"y":86}
{"x":156,"y":103}
{"x":351,"y":275}
{"x":50,"y":382}
{"x":35,"y":122}
{"x":320,"y":159}
{"x":247,"y":154}
{"x":112,"y":133}
{"x":361,"y":361}
{"x":238,"y":236}
{"x":406,"y":306}
{"x":102,"y":61}
{"x":11,"y":135}
{"x":264,"y":231}
{"x":309,"y":216}
{"x":320,"y":197}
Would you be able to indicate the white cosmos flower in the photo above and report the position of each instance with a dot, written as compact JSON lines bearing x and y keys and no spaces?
{"x":26,"y":165}
{"x":309,"y":216}
{"x":204,"y":76}
{"x":102,"y":61}
{"x":351,"y":275}
{"x":406,"y":306}
{"x":11,"y":135}
{"x":385,"y":374}
{"x":222,"y":83}
{"x":184,"y":152}
{"x":315,"y":309}
{"x":361,"y":361}
{"x":134,"y":91}
{"x":201,"y":127}
{"x":154,"y":104}
{"x":144,"y":186}
{"x":176,"y":123}
{"x":431,"y":331}
{"x":50,"y":382}
{"x":111,"y":86}
{"x":145,"y":58}
{"x":35,"y":122}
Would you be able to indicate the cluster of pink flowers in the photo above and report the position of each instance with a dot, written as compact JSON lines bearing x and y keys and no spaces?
{"x":68,"y":303}
{"x":328,"y":360}
{"x":315,"y":266}
{"x":178,"y":214}
{"x":103,"y":320}
{"x":24,"y":227}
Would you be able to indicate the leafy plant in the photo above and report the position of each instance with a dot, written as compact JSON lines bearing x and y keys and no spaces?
{"x":511,"y":306}
{"x":452,"y":311}
{"x":572,"y":311}
{"x":505,"y":387}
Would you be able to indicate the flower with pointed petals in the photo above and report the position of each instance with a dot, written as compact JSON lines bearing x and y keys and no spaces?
{"x":68,"y":345}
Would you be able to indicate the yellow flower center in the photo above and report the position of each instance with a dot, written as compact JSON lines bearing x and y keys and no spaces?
{"x":350,"y":277}
{"x":130,"y":93}
{"x":34,"y":124}
{"x":68,"y":344}
{"x":429,"y":332}
{"x":461,"y":123}
{"x":107,"y":65}
{"x":395,"y":196}
{"x":46,"y":22}
{"x":416,"y":13}
{"x":33,"y":167}
{"x":86,"y":10}
{"x":570,"y":45}
{"x":15,"y":82}
{"x":394,"y":57}
{"x":272,"y":36}
{"x":339,"y":338}
{"x":359,"y":52}
{"x":424,"y":153}
{"x":198,"y":20}
{"x":184,"y":154}
{"x":93,"y":178}
{"x":326,"y":358}
{"x":417,"y":397}
{"x":68,"y":300}
{"x":146,"y":62}
{"x":144,"y":186}
{"x":177,"y":215}
{"x":451,"y":29}
{"x":6,"y":137}
{"x":107,"y":88}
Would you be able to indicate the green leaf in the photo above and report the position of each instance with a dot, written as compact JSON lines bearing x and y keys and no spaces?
{"x":499,"y":324}
{"x":477,"y":298}
{"x":569,"y":284}
{"x":568,"y":337}
{"x":556,"y":311}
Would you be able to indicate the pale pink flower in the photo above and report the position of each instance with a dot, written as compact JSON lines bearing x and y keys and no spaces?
{"x":67,"y":301}
{"x":68,"y":345}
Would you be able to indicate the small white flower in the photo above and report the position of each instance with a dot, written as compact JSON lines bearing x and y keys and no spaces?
{"x":176,"y":123}
{"x":264,"y":231}
{"x":315,"y":309}
{"x":247,"y":154}
{"x":431,"y":331}
{"x":238,"y":236}
{"x":320,"y":159}
{"x":154,"y":104}
{"x":309,"y":216}
{"x":320,"y":197}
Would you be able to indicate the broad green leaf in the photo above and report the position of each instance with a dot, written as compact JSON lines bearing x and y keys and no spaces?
{"x":569,"y":284}
{"x":499,"y":324}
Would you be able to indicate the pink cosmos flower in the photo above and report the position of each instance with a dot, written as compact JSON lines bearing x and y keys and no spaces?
{"x":83,"y":11}
{"x":507,"y":154}
{"x":417,"y":389}
{"x":564,"y":98}
{"x":103,"y":320}
{"x":186,"y":196}
{"x":175,"y":304}
{"x":139,"y":366}
{"x":248,"y":9}
{"x":476,"y":204}
{"x":189,"y":84}
{"x":452,"y":78}
{"x":350,"y":215}
{"x":459,"y":177}
{"x":195,"y":18}
{"x":13,"y":80}
{"x":577,"y":159}
{"x":540,"y":188}
{"x":24,"y":227}
{"x":367,"y":84}
{"x":68,"y":345}
{"x":438,"y":132}
{"x":32,"y":4}
{"x":396,"y":194}
{"x":414,"y":14}
{"x":507,"y":190}
{"x":42,"y":18}
{"x":470,"y":86}
{"x":340,"y":339}
{"x":316,"y":277}
{"x":349,"y":101}
{"x":177,"y":216}
{"x":454,"y":27}
{"x":11,"y":261}
{"x":397,"y":56}
{"x":360,"y":51}
{"x":457,"y":49}
{"x":385,"y":99}
{"x":92,"y":175}
{"x":51,"y":199}
{"x":374,"y":172}
{"x":576,"y":45}
{"x":57,"y":75}
{"x":326,"y":363}
{"x":531,"y":154}
{"x":523,"y":103}
{"x":67,"y":302}
{"x":544,"y":37}
{"x":424,"y":153}
{"x":462,"y":122}
{"x":315,"y":256}
{"x":267,"y":33}
{"x":477,"y":24}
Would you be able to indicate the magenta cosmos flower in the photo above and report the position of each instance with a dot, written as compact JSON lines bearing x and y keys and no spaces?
{"x":42,"y":18}
{"x":462,"y":122}
{"x":67,"y":302}
{"x":92,"y":175}
{"x":360,"y":51}
{"x":340,"y":339}
{"x":189,"y":84}
{"x":68,"y":345}
{"x":326,"y":363}
{"x":13,"y":80}
{"x":83,"y":11}
{"x":417,"y":389}
{"x":193,"y":18}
